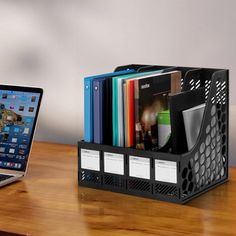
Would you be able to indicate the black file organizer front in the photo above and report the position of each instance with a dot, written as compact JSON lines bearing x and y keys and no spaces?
{"x":199,"y":170}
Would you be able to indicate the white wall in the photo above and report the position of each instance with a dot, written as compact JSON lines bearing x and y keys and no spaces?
{"x":54,"y":44}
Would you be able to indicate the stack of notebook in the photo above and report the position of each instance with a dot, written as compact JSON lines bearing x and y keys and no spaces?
{"x":131,"y":108}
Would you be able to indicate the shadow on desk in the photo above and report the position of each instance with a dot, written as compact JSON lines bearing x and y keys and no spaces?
{"x":3,"y":233}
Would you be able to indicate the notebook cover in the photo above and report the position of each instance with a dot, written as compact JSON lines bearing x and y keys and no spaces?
{"x":88,"y":110}
{"x":125,"y":114}
{"x":151,"y":97}
{"x":121,"y":133}
{"x":98,"y":109}
{"x":178,"y":103}
{"x":114,"y":114}
{"x":130,"y":113}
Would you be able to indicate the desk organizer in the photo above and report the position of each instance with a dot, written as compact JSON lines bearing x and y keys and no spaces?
{"x":185,"y":175}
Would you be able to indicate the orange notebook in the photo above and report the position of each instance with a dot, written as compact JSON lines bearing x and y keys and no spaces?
{"x":130,"y":113}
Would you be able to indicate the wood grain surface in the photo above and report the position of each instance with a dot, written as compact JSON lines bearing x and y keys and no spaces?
{"x":49,"y":202}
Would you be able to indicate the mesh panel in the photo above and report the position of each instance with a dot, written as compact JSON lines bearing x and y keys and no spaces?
{"x":115,"y":181}
{"x":182,"y":82}
{"x":139,"y":185}
{"x":89,"y":176}
{"x":207,"y":87}
{"x":195,"y":84}
{"x":165,"y":190}
{"x":208,"y":163}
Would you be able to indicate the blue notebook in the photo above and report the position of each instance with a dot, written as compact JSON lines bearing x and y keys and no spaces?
{"x":88,"y":102}
{"x":99,"y":86}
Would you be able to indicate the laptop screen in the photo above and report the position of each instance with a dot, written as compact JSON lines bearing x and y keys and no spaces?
{"x":18,"y":114}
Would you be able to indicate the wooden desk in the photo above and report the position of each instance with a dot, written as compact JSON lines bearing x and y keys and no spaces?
{"x":49,"y":202}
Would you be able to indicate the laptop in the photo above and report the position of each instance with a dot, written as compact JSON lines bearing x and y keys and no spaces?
{"x":19,"y":109}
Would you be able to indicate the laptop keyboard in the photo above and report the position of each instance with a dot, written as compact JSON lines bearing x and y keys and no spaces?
{"x":5,"y":177}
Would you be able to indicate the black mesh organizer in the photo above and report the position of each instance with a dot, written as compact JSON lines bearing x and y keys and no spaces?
{"x":189,"y":174}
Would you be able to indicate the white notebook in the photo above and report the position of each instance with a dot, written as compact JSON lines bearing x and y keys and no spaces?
{"x":192,"y":123}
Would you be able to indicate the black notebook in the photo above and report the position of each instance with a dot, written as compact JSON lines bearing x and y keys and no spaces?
{"x":178,"y":103}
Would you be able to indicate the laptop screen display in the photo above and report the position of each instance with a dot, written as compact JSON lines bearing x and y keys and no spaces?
{"x":18,"y":113}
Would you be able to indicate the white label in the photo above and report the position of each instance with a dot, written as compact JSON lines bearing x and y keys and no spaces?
{"x":139,"y":167}
{"x":90,"y":159}
{"x":166,"y":171}
{"x":114,"y":163}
